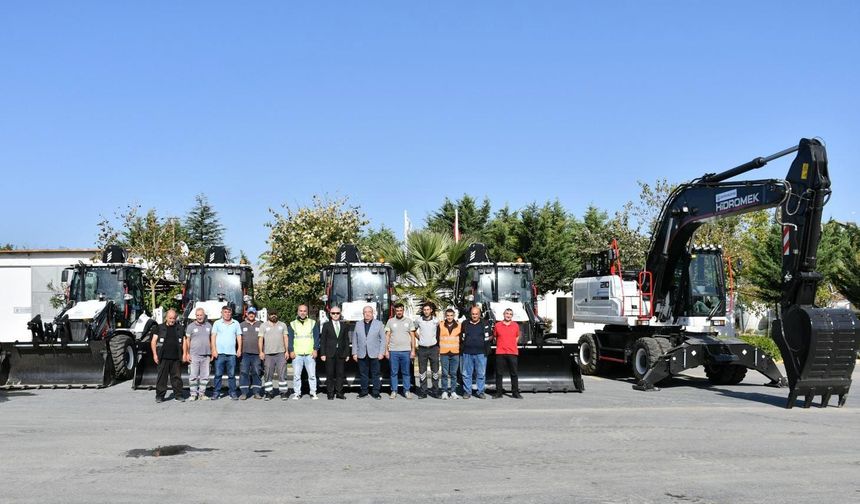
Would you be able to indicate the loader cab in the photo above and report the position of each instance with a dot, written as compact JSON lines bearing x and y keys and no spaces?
{"x":483,"y":283}
{"x":230,"y":284}
{"x":359,"y":282}
{"x":351,"y":283}
{"x":122,"y":284}
{"x":215,"y":283}
{"x":495,"y":286}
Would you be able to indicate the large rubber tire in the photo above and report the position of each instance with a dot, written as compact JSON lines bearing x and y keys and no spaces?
{"x":589,"y":354}
{"x":123,"y":357}
{"x":664,"y":343}
{"x":646,"y":351}
{"x":725,"y":374}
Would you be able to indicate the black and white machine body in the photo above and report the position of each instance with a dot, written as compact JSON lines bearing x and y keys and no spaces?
{"x":545,"y":364}
{"x":210,"y":285}
{"x":94,"y":340}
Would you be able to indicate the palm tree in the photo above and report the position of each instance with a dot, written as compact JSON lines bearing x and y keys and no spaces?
{"x":428,"y":266}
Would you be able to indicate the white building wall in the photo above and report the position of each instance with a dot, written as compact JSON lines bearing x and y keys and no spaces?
{"x":24,"y":292}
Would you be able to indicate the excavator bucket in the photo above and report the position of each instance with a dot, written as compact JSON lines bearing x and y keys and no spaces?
{"x":547,"y":368}
{"x":54,"y":365}
{"x":819,"y":347}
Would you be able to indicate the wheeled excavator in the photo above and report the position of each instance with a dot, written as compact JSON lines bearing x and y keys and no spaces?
{"x":643,"y":317}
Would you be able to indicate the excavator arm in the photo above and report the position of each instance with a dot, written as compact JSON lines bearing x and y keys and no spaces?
{"x":817,"y":344}
{"x":690,"y":206}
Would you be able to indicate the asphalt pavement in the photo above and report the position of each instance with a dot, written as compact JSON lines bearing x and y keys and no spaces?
{"x":687,"y":443}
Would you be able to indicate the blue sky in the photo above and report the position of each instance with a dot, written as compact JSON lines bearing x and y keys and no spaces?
{"x":398,"y":104}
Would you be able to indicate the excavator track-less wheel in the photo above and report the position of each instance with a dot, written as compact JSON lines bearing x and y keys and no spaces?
{"x":725,"y":374}
{"x":123,"y":357}
{"x":589,"y":355}
{"x":646,"y":351}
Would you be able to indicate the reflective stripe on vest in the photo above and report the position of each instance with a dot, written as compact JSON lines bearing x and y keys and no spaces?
{"x":303,"y":341}
{"x":449,"y":342}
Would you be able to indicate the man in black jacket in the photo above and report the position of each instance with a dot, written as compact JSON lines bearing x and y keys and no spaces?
{"x":166,"y":348}
{"x":334,"y":351}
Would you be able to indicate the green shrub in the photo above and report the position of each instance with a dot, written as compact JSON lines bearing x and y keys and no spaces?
{"x":765,"y":343}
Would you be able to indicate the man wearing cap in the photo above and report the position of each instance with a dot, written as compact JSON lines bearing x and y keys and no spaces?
{"x":334,"y":351}
{"x":249,"y":370}
{"x":304,"y":335}
{"x":226,"y":345}
{"x":273,"y":346}
{"x":197,"y":352}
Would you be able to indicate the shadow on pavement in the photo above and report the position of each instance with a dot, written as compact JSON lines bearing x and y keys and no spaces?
{"x":7,"y":395}
{"x":622,"y":375}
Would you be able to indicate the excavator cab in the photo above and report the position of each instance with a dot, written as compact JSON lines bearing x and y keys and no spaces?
{"x":545,"y":364}
{"x":92,"y":341}
{"x":699,"y":292}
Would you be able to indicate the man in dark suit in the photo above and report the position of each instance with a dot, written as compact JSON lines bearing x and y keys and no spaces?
{"x":368,"y":348}
{"x":334,"y":351}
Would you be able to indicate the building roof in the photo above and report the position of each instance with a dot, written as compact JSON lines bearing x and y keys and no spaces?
{"x":51,"y":251}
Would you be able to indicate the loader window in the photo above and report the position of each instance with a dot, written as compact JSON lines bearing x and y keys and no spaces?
{"x":339,"y":289}
{"x":484,"y":288}
{"x":514,"y":285}
{"x":206,"y":285}
{"x":220,"y":282}
{"x":367,"y":284}
{"x":97,"y":283}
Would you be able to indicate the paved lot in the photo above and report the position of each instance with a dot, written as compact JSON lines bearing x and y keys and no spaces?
{"x":688,"y":443}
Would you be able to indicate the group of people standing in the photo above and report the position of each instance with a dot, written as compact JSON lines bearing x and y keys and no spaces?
{"x":444,"y":348}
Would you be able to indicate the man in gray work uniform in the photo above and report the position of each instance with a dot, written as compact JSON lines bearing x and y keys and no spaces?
{"x":427,"y":329}
{"x":198,"y":352}
{"x":249,"y":369}
{"x":273,"y":353}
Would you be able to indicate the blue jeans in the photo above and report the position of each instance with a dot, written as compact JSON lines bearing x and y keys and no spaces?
{"x":450,"y":368}
{"x":368,"y":371}
{"x":474,"y":363}
{"x":399,"y":362}
{"x":249,"y":374}
{"x":304,"y":362}
{"x":225,"y":364}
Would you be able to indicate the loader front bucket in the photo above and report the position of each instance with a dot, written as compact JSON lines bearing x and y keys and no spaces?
{"x":54,"y":365}
{"x":146,"y":370}
{"x":547,"y":368}
{"x":819,"y":347}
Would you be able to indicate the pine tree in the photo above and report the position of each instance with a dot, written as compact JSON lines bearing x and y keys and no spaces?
{"x":203,"y":228}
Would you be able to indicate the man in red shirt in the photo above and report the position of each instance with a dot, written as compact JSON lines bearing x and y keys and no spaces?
{"x":507,"y":333}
